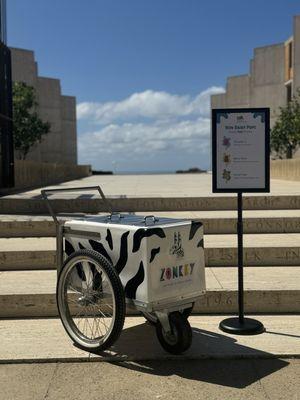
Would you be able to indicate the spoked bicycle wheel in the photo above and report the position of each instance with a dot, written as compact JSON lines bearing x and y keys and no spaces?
{"x":90,"y":300}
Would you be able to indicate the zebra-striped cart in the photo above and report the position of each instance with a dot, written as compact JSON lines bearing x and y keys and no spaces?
{"x":155,"y":265}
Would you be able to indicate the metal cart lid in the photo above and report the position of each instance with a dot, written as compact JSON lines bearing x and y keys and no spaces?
{"x":113,"y":217}
{"x":134,"y":220}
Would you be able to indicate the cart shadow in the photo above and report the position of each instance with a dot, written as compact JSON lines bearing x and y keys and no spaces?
{"x":212,"y":358}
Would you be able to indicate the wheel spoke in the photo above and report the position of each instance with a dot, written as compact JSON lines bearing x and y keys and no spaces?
{"x":90,"y":317}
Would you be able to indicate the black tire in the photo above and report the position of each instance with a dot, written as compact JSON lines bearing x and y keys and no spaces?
{"x":152,"y":318}
{"x":96,"y":271}
{"x":180,"y":338}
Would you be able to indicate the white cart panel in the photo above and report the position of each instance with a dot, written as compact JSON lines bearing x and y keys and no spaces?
{"x":159,"y":261}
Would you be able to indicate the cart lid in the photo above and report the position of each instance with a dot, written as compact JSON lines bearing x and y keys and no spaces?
{"x":134,"y":220}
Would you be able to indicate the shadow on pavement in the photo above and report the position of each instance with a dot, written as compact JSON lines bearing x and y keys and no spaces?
{"x":213,"y":357}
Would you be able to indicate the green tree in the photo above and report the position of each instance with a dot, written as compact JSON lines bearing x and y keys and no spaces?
{"x":285,"y":136}
{"x":28,"y":128}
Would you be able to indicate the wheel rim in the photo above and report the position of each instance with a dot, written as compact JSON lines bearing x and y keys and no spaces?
{"x":87,"y":302}
{"x":171,"y":337}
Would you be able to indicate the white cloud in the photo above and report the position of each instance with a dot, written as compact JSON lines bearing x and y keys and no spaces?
{"x":155,"y":126}
{"x":148,"y":104}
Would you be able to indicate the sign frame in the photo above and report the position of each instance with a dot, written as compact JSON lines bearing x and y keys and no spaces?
{"x":266,"y":187}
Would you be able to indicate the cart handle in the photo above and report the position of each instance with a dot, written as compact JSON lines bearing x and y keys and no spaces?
{"x":115,"y":214}
{"x":154,"y":219}
{"x":45,"y":193}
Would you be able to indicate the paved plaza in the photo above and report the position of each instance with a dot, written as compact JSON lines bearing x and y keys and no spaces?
{"x":160,"y":185}
{"x":42,"y":362}
{"x":217,"y":366}
{"x":146,"y":380}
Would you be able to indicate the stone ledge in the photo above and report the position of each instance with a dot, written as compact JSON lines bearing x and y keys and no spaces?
{"x":213,"y":302}
{"x":34,"y":206}
{"x":46,"y":227}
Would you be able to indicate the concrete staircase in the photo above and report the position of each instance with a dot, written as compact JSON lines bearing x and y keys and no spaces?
{"x":272,"y":253}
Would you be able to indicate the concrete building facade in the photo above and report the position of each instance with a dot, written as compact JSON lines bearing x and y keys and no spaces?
{"x":273,"y":78}
{"x":60,"y":144}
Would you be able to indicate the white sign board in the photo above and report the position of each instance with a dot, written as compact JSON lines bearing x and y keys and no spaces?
{"x":240,"y":141}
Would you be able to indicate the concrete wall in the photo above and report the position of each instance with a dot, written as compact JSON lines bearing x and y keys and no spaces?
{"x":267,"y":79}
{"x":24,"y":67}
{"x":265,"y":86}
{"x":286,"y":169}
{"x":218,"y":100}
{"x":60,"y":144}
{"x":296,"y":61}
{"x":29,"y":174}
{"x":69,"y":127}
{"x":237,"y":93}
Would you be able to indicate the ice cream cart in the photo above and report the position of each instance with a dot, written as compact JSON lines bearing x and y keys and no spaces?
{"x":107,"y":262}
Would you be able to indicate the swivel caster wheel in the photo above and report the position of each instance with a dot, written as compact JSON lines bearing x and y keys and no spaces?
{"x":179,"y":339}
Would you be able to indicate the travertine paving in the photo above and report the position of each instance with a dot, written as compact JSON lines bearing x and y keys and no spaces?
{"x":45,"y":339}
{"x":174,"y":185}
{"x":272,"y":280}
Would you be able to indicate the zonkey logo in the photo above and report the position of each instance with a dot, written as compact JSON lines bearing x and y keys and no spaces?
{"x":179,"y":271}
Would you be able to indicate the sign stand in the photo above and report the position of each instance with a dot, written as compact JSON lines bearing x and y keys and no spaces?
{"x":241,"y":325}
{"x":240,"y":164}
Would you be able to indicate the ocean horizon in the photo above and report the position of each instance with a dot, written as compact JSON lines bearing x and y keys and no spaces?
{"x":152,"y":172}
{"x":143,"y":172}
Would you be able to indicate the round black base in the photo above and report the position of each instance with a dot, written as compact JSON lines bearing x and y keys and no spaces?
{"x":248,"y":327}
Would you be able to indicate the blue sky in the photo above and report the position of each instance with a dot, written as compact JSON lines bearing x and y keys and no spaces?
{"x":143,"y":71}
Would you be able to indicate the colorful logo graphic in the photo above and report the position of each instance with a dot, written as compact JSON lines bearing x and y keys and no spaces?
{"x":176,"y":248}
{"x":176,"y":272}
{"x":226,"y":142}
{"x":226,"y":175}
{"x":226,"y":158}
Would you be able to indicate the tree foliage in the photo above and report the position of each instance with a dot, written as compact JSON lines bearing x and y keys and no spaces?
{"x":285,"y":136}
{"x":28,"y":128}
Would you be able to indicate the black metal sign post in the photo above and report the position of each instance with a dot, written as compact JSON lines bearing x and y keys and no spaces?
{"x":238,"y":144}
{"x":241,"y":325}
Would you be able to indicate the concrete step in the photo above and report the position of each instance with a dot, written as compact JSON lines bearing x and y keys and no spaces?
{"x":220,"y":250}
{"x":267,"y":289}
{"x":26,"y":226}
{"x":215,"y":222}
{"x":27,"y":253}
{"x":44,"y":340}
{"x":89,"y":203}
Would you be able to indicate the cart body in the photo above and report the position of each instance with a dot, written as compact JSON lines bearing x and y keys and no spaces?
{"x":160,"y":261}
{"x":156,"y":265}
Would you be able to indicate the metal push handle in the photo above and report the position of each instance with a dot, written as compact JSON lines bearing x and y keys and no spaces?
{"x":45,"y":193}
